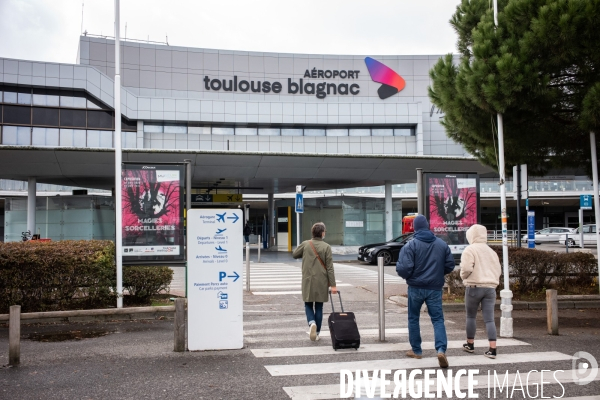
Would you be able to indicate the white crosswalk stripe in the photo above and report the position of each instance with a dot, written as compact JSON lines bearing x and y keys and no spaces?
{"x":411,"y":363}
{"x":370,"y":348}
{"x":281,"y":279}
{"x":333,"y":391}
{"x":390,"y":356}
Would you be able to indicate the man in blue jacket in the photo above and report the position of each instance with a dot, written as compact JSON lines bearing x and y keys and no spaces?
{"x":423,"y":262}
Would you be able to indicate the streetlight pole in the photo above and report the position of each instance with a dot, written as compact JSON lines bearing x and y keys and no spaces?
{"x":506,"y":321}
{"x":118,"y":160}
{"x":596,"y":195}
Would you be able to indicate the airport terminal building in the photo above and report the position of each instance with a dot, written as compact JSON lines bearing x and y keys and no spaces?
{"x":353,"y":129}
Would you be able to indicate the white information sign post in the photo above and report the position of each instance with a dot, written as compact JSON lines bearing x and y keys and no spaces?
{"x":215,"y":288}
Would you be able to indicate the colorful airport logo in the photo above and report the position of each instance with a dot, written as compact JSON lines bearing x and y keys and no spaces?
{"x":392,"y":83}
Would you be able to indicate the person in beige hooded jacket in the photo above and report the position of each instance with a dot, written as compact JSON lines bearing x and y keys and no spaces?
{"x":480,"y":271}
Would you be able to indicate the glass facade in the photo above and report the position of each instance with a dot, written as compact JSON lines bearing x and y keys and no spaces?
{"x":48,"y":117}
{"x":154,"y":127}
{"x":62,"y":218}
{"x":351,"y":221}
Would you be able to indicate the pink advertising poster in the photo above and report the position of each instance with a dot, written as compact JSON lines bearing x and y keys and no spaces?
{"x":452,"y":205}
{"x":152,"y":212}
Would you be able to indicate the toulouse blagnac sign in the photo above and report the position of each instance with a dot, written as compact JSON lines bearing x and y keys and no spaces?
{"x":392,"y":83}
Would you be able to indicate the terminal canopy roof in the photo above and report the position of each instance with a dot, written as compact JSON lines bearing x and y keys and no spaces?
{"x":250,"y":173}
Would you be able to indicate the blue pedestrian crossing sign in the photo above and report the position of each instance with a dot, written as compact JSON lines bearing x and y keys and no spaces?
{"x":299,"y":203}
{"x":585,"y":201}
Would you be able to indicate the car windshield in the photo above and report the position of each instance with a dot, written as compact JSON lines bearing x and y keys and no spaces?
{"x":402,"y":238}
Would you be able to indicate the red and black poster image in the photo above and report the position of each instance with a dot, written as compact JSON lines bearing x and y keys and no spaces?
{"x":152,"y":200}
{"x":452,"y":205}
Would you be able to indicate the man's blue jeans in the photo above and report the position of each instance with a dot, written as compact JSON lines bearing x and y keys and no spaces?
{"x":433,"y":299}
{"x":314,"y":314}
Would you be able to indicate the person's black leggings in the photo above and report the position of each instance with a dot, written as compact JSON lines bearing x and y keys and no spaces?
{"x":487,"y":297}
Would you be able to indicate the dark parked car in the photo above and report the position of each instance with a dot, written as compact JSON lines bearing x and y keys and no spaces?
{"x":391,"y":250}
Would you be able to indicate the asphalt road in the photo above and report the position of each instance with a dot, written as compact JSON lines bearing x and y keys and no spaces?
{"x":134,"y":359}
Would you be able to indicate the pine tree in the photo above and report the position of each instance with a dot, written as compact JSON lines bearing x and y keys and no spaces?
{"x":540,"y":68}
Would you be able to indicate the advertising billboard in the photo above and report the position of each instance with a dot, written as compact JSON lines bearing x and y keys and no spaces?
{"x":153,"y":220}
{"x":452,"y":206}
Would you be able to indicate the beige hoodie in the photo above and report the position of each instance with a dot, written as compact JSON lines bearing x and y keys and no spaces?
{"x":479,"y":264}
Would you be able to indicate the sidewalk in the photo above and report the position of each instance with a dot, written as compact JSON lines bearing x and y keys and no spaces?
{"x":135,"y":359}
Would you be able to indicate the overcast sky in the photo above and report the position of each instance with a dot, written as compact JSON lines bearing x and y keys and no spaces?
{"x":48,"y":30}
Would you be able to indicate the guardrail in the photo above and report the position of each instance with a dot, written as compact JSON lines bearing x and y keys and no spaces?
{"x":15,"y":317}
{"x":494,"y":237}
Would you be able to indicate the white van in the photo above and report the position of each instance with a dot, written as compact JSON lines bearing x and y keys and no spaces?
{"x":589,"y":237}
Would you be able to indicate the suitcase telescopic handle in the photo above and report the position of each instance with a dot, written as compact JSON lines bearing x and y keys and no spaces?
{"x":331,"y":298}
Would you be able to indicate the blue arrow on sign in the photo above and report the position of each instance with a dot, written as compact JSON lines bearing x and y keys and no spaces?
{"x":236,"y":276}
{"x":234,"y":218}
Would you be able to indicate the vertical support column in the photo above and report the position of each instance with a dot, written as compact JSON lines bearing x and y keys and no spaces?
{"x":388,"y":212}
{"x":596,"y":195}
{"x":118,"y":159}
{"x":14,"y":335}
{"x":518,"y":205}
{"x":31,"y":197}
{"x":420,"y":199}
{"x":552,"y":311}
{"x":506,"y":320}
{"x":581,"y":244}
{"x":381,"y":297}
{"x":272,"y":233}
{"x":247,"y":267}
{"x":179,"y":345}
{"x":259,"y":246}
{"x":298,"y":241}
{"x":188,"y":207}
{"x":289,"y":209}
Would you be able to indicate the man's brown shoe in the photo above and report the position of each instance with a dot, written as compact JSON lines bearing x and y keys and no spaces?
{"x":442,"y":360}
{"x":410,"y":353}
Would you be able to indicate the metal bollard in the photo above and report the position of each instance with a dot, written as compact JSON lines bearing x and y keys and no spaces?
{"x":247,"y":267}
{"x":179,"y":325}
{"x":259,"y":246}
{"x":552,"y":311}
{"x":381,"y":296}
{"x":14,"y":335}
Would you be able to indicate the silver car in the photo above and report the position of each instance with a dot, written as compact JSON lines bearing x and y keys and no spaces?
{"x":550,"y":235}
{"x":589,"y":237}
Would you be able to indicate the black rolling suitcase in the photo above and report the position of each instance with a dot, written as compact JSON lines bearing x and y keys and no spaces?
{"x":342,"y":327}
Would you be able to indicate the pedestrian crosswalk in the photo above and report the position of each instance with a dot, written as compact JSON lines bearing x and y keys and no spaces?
{"x":286,"y":279}
{"x":309,"y":359}
{"x":282,"y":279}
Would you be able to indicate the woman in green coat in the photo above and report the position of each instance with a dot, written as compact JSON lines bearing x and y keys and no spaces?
{"x":317,"y":277}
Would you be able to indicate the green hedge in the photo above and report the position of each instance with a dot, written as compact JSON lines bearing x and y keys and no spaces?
{"x":66,"y":275}
{"x":45,"y":276}
{"x":143,"y":282}
{"x":532,"y":271}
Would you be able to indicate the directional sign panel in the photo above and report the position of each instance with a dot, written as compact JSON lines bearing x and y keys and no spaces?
{"x":585,"y":201}
{"x":215,"y":289}
{"x":299,"y":203}
{"x":531,"y":229}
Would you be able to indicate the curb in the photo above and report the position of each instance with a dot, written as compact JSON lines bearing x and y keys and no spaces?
{"x":109,"y":314}
{"x":517,"y":305}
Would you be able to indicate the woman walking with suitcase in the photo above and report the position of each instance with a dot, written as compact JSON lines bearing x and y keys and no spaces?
{"x":317,"y":276}
{"x":480,"y":271}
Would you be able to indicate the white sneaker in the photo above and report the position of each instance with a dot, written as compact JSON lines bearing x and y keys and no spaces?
{"x":313,"y":331}
{"x":318,"y":338}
